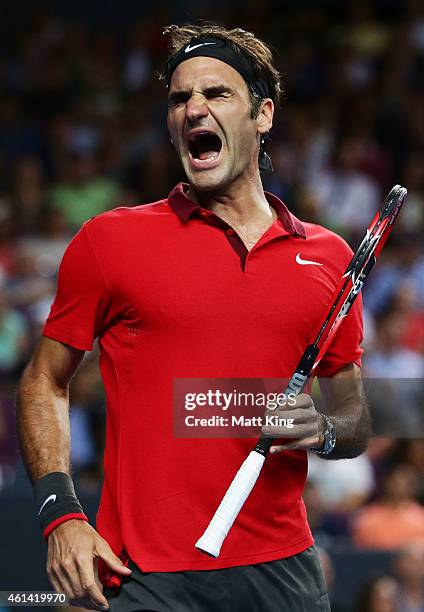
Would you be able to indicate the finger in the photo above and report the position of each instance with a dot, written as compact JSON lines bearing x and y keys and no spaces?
{"x":96,"y":575}
{"x":289,"y":418}
{"x":304,"y":400}
{"x":297,"y":431}
{"x":106,"y":553}
{"x":274,"y":450}
{"x":278,"y":448}
{"x":56,"y":579}
{"x":299,"y":401}
{"x":63,"y":572}
{"x":55,"y":583}
{"x":60,"y":583}
{"x":70,"y":573}
{"x":298,"y":415}
{"x":90,"y":588}
{"x":299,"y":444}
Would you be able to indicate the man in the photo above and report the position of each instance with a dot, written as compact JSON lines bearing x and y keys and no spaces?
{"x":218,"y":280}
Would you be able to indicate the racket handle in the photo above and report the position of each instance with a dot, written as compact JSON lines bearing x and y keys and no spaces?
{"x":211,"y":541}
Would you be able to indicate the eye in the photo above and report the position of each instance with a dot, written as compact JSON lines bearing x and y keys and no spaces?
{"x":217,"y":93}
{"x":178,"y":98}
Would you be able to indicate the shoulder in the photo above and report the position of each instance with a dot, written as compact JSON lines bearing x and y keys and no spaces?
{"x":113,"y":230}
{"x":330,"y":246}
{"x":326,"y":237}
{"x":125,"y":219}
{"x":130,"y":213}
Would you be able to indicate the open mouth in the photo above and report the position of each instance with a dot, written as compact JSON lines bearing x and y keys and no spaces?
{"x":204,"y":146}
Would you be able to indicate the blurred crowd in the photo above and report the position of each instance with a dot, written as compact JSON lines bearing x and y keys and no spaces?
{"x":83,"y":129}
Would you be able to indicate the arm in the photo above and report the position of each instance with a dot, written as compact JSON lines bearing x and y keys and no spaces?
{"x":43,"y":428}
{"x":43,"y":408}
{"x":346,"y":408}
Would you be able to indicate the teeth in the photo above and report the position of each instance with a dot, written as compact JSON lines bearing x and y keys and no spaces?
{"x":208,"y":155}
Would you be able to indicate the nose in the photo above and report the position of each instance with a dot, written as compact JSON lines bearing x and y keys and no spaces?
{"x":196,"y":108}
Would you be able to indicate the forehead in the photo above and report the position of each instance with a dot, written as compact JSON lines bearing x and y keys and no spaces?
{"x":202,"y":72}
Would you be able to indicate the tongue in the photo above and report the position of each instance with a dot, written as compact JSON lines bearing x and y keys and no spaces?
{"x":208,"y":155}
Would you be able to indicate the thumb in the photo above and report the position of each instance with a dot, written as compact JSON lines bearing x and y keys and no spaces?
{"x":112,"y":561}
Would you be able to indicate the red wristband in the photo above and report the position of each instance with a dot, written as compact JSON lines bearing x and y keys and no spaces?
{"x":62,"y":519}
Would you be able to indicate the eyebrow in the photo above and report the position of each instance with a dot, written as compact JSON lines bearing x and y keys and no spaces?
{"x":182,"y":94}
{"x":217,"y":89}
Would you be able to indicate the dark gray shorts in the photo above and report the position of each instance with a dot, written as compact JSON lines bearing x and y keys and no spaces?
{"x":294,"y":584}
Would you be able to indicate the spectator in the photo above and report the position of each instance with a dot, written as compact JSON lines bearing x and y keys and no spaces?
{"x":346,"y":198}
{"x":329,"y":573}
{"x":395,"y":518}
{"x":396,"y":373}
{"x":409,"y":570}
{"x":9,"y":455}
{"x":13,"y":339}
{"x":29,"y":193}
{"x":83,"y":192}
{"x":47,"y":242}
{"x":402,"y":265}
{"x":379,"y":595}
{"x":329,"y":521}
{"x":411,"y":452}
{"x":7,"y":241}
{"x":405,"y":303}
{"x":342,"y":487}
{"x":28,"y":290}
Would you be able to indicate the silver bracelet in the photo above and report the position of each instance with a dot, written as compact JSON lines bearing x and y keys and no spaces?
{"x":329,"y":438}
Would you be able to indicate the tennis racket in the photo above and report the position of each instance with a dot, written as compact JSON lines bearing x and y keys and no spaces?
{"x":350,"y":286}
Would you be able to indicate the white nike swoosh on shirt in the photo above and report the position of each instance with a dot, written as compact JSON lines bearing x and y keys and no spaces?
{"x":191,"y":48}
{"x":305,"y":262}
{"x":46,"y":501}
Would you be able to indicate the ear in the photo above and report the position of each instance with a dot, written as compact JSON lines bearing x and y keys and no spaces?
{"x":265,"y":116}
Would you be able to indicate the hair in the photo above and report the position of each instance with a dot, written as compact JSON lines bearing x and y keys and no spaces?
{"x":242,"y":42}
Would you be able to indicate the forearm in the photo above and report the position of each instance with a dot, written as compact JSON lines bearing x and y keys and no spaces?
{"x":43,"y":424}
{"x":352,"y":431}
{"x":347,"y":409}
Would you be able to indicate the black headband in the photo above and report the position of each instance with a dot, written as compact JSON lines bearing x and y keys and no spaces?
{"x":207,"y":46}
{"x":218,"y":48}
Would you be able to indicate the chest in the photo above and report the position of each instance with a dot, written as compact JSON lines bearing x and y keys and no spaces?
{"x":201,"y":284}
{"x":250,"y":235}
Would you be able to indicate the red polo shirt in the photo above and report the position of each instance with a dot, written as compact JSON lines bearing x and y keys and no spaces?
{"x":171,"y":292}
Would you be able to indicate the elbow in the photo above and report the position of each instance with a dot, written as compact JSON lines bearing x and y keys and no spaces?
{"x":37,"y":381}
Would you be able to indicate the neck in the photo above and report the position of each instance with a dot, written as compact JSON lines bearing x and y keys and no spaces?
{"x":243,"y":200}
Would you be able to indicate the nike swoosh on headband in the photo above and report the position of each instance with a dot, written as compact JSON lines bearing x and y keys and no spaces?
{"x":46,"y":501}
{"x":192,"y":47}
{"x":305,"y":262}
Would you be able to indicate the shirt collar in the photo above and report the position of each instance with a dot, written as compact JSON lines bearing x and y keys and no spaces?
{"x":185,"y":208}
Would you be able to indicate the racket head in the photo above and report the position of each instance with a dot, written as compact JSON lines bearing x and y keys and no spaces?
{"x":360,"y":266}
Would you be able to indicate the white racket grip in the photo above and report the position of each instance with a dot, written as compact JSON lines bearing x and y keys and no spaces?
{"x":232,"y":502}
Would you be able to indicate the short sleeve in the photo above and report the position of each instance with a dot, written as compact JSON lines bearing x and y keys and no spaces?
{"x":345,"y":348}
{"x":82,"y":304}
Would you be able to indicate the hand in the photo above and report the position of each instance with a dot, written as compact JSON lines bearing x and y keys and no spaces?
{"x":73,"y":550}
{"x":308,"y":425}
